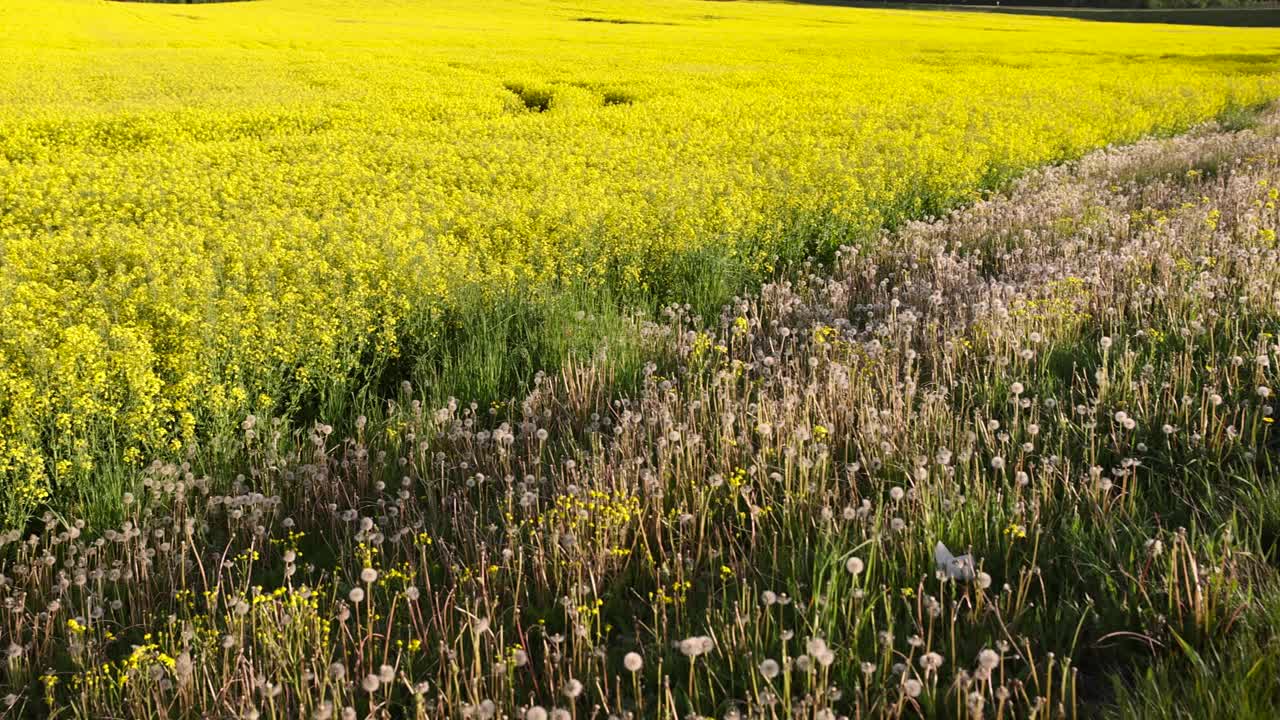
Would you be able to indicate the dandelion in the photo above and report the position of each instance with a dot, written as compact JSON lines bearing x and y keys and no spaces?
{"x":930,"y":662}
{"x":769,"y":669}
{"x":912,"y":687}
{"x":537,"y":712}
{"x":816,"y":646}
{"x":368,"y":576}
{"x":705,"y":645}
{"x":356,"y":595}
{"x":988,"y":659}
{"x":572,"y":689}
{"x":853,"y":565}
{"x":183,"y":666}
{"x":371,"y":683}
{"x":633,"y":662}
{"x":1154,"y":548}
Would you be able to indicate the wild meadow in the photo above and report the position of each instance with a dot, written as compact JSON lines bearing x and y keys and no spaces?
{"x":671,"y":360}
{"x":1019,"y":461}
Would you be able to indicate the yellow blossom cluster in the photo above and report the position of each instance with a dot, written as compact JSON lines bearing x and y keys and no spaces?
{"x":212,"y":210}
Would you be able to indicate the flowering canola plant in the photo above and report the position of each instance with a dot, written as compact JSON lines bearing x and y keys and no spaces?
{"x":219,"y":209}
{"x":966,"y":470}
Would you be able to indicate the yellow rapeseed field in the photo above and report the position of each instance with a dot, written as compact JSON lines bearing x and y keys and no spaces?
{"x":212,"y":210}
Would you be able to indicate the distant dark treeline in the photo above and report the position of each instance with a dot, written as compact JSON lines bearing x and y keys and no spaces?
{"x":1114,"y":4}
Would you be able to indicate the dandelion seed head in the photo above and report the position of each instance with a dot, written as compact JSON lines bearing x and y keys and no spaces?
{"x":633,"y":662}
{"x":930,"y":662}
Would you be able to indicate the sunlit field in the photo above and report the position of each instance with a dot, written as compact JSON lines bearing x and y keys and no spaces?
{"x":635,"y":360}
{"x":286,"y":207}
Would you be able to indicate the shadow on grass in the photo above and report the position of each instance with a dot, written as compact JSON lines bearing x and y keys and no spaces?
{"x":1224,"y":17}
